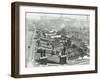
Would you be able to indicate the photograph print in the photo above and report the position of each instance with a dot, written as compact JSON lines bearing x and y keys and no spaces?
{"x":53,"y":39}
{"x":56,"y":39}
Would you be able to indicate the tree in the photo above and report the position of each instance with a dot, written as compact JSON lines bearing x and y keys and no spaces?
{"x":69,"y":43}
{"x":85,"y":48}
{"x":38,"y":43}
{"x":81,"y":52}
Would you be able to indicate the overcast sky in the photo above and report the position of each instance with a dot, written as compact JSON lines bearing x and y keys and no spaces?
{"x":37,"y":16}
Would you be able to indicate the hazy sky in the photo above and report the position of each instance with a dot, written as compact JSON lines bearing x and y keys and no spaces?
{"x":37,"y":16}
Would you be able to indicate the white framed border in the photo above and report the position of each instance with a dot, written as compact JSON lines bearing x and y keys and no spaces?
{"x":38,"y":70}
